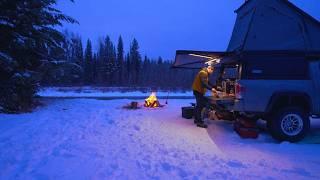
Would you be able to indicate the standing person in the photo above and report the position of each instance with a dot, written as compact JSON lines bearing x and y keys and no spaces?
{"x":199,"y":86}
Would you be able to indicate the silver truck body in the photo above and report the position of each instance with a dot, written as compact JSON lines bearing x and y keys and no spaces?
{"x":258,"y":93}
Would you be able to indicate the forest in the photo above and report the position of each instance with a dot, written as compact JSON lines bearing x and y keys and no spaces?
{"x":111,"y":66}
{"x":34,"y":54}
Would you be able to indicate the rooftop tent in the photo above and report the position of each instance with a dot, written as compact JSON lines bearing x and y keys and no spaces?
{"x":264,"y":25}
{"x":196,"y":59}
{"x":263,"y":28}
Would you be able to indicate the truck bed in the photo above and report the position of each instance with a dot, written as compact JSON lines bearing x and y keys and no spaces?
{"x":222,"y":103}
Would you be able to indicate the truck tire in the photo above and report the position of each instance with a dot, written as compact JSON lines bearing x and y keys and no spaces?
{"x":289,"y":124}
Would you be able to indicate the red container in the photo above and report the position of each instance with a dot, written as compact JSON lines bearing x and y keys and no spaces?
{"x":247,"y":123}
{"x":246,"y":132}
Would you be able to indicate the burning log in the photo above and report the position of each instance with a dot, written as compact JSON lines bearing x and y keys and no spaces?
{"x":152,"y":101}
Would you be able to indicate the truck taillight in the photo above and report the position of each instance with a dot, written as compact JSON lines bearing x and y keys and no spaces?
{"x":239,"y":89}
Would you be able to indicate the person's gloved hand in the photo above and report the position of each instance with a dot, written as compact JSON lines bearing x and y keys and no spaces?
{"x":215,"y":93}
{"x":214,"y":90}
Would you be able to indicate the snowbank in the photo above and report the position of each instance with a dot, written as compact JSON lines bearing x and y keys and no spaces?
{"x":107,"y":92}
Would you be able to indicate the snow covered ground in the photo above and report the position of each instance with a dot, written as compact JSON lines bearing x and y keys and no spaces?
{"x":105,"y":92}
{"x":98,"y":139}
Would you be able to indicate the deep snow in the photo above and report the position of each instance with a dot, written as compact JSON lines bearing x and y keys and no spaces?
{"x":98,"y":139}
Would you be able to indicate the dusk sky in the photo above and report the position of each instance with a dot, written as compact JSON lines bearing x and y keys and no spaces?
{"x":162,"y":27}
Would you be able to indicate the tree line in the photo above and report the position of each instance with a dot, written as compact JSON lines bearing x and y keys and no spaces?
{"x":111,"y":65}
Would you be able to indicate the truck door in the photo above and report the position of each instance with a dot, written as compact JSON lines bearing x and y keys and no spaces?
{"x":315,"y":76}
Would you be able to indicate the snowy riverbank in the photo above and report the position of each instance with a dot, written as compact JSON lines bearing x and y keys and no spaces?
{"x":105,"y":92}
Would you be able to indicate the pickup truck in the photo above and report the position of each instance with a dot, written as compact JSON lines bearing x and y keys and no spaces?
{"x":281,"y":87}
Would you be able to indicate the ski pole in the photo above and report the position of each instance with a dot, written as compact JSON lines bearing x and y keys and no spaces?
{"x":167,"y":97}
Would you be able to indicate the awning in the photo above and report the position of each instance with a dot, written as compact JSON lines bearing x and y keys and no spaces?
{"x":196,"y":59}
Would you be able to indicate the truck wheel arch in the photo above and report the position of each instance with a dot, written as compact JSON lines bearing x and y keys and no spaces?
{"x":289,"y":98}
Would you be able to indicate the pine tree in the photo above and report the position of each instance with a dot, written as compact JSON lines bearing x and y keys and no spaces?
{"x":79,"y":51}
{"x":76,"y":50}
{"x":160,"y":61}
{"x":95,"y":69}
{"x":145,"y":75}
{"x":101,"y":63}
{"x":115,"y":66}
{"x":135,"y":59}
{"x":88,"y":65}
{"x":120,"y":60}
{"x":128,"y":69}
{"x":110,"y":61}
{"x":28,"y":35}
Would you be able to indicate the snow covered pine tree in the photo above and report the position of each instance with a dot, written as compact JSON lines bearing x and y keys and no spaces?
{"x":27,"y":35}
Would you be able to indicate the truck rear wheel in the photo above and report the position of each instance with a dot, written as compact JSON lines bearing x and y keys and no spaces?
{"x":289,"y":124}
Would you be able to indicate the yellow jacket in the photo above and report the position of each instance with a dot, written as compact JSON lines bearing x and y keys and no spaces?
{"x":201,"y":82}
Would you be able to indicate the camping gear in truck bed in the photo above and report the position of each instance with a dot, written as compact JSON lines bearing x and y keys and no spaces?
{"x":222,"y":103}
{"x":220,"y":106}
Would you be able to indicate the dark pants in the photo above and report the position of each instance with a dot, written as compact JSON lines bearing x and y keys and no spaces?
{"x":201,"y":103}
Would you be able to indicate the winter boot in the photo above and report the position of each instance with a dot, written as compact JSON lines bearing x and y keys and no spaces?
{"x":202,"y":125}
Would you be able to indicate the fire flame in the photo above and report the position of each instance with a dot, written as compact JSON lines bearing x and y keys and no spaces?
{"x":152,"y":101}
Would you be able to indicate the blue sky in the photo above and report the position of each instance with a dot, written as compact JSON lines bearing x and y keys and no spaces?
{"x":162,"y":27}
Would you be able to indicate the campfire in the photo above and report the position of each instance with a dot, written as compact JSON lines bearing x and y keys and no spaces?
{"x":152,"y":101}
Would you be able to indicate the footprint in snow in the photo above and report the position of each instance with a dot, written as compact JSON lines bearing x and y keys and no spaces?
{"x":137,"y":128}
{"x":114,"y":166}
{"x":236,"y":164}
{"x":220,"y":175}
{"x":144,"y":165}
{"x":166,"y":167}
{"x":110,"y":121}
{"x":182,"y":173}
